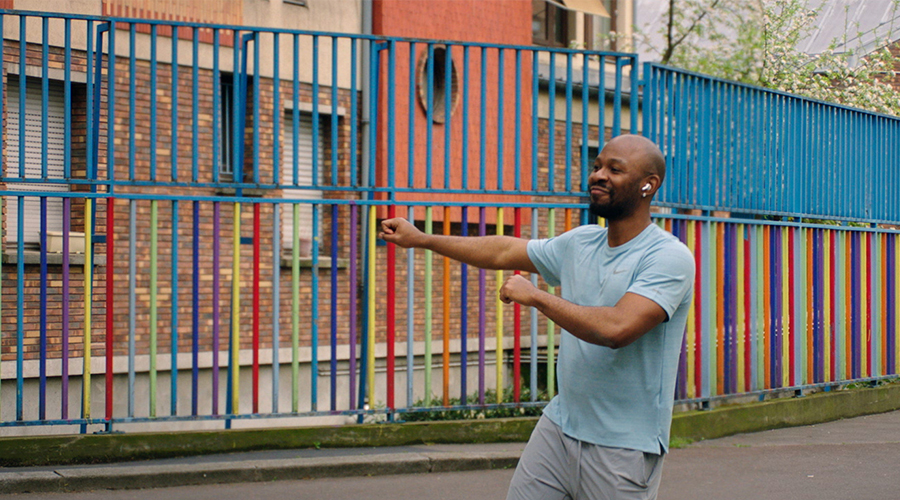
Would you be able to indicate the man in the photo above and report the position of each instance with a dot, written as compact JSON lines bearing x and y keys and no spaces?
{"x":626,"y":291}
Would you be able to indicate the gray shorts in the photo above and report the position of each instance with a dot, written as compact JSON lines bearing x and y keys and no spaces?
{"x":556,"y":466}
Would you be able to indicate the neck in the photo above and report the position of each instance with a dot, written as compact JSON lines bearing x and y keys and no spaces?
{"x":623,"y":230}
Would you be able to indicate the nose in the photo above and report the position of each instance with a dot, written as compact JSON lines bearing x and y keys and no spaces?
{"x":598,"y":175}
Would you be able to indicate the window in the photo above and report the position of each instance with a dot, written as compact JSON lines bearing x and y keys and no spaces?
{"x":303,"y":149}
{"x":597,"y":29}
{"x":549,"y":24}
{"x":56,"y":143}
{"x":226,"y":110}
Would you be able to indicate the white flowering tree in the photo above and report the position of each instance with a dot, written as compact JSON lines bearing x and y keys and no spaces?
{"x":756,"y":42}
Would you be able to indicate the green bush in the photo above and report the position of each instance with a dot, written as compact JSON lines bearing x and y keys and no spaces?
{"x":475,"y":411}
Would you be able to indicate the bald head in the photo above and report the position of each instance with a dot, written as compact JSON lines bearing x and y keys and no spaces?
{"x":643,"y":151}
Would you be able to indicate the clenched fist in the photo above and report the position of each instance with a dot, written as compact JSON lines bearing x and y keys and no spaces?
{"x":518,"y":289}
{"x":401,"y":233}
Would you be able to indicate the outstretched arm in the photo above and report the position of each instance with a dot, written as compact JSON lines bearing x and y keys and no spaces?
{"x":614,"y":327}
{"x":487,"y":252}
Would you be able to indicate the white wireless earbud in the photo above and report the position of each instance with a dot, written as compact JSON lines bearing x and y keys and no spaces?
{"x":646,"y":187}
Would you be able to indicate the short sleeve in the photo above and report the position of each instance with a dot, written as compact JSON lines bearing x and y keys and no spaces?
{"x":548,"y":256}
{"x":665,"y":276}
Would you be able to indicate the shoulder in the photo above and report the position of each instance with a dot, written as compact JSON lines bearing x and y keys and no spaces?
{"x":664,"y":248}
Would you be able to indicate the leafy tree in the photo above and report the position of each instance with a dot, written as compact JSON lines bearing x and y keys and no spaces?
{"x":756,"y":42}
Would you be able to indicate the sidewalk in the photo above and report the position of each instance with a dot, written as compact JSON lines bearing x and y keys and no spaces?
{"x":262,"y":466}
{"x":851,"y":454}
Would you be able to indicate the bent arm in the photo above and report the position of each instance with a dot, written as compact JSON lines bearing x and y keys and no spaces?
{"x":487,"y":252}
{"x":613,"y":327}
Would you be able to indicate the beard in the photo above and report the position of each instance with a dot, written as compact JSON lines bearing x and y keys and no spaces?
{"x":613,"y":209}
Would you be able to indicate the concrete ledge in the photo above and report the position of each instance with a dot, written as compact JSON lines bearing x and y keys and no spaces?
{"x":160,"y":476}
{"x":108,"y":448}
{"x":696,"y":425}
{"x":789,"y":412}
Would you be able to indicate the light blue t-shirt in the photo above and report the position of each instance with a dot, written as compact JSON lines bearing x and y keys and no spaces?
{"x":618,"y":397}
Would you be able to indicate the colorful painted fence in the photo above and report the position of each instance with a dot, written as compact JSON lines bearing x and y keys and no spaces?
{"x":782,"y":305}
{"x":228,"y":206}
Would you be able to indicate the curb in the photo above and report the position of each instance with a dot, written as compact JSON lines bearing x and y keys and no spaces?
{"x":159,"y":476}
{"x":47,"y":451}
{"x":788,"y":412}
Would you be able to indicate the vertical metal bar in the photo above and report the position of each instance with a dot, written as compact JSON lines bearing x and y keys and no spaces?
{"x":217,"y":111}
{"x":132,"y":98}
{"x":411,"y":127}
{"x":518,"y":120}
{"x":315,"y":112}
{"x":429,"y":118}
{"x":132,"y":299}
{"x":533,"y":351}
{"x":428,"y":307}
{"x":295,"y":290}
{"x":354,"y":209}
{"x":67,"y":218}
{"x":498,"y":307}
{"x":464,"y":184}
{"x":173,"y":355}
{"x":216,"y":305}
{"x":88,"y":309}
{"x":20,"y":287}
{"x":110,"y":302}
{"x":154,"y":265}
{"x":334,"y":110}
{"x":568,"y":146}
{"x":370,"y":339}
{"x":585,"y":122}
{"x":482,"y":309}
{"x":295,"y":117}
{"x":174,"y":145}
{"x":23,"y":88}
{"x":314,"y":309}
{"x":153,"y":111}
{"x":195,"y":309}
{"x":111,"y":109}
{"x":410,"y":311}
{"x":238,"y":112}
{"x":551,"y":126}
{"x":256,"y":114}
{"x":482,"y":120}
{"x":500,"y":121}
{"x":42,"y":392}
{"x":391,"y":310}
{"x":234,"y":363}
{"x":334,"y":303}
{"x":633,"y":100}
{"x":517,"y":320}
{"x":551,"y":327}
{"x":353,"y":125}
{"x":535,"y":92}
{"x":463,"y":312}
{"x":448,"y":109}
{"x":195,"y":105}
{"x":256,"y":300}
{"x":276,"y":276}
{"x":445,"y":317}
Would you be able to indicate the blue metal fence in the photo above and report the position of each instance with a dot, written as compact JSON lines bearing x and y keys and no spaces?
{"x":746,"y":149}
{"x":227,"y":206}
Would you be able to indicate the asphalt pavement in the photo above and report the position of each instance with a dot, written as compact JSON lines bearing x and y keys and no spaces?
{"x":848,"y":459}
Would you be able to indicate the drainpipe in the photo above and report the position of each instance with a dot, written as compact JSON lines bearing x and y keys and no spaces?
{"x":366,"y":71}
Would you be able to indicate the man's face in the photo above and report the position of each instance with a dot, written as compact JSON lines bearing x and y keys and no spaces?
{"x":615,"y":183}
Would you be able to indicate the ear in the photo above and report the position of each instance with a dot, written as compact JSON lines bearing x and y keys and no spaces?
{"x":654,"y":182}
